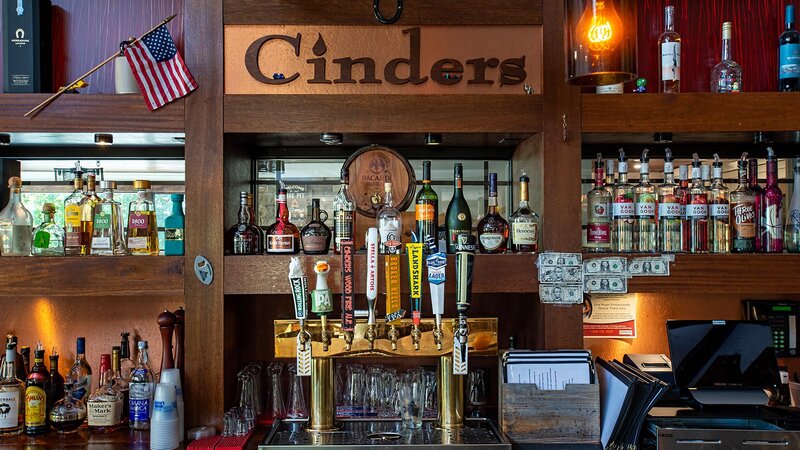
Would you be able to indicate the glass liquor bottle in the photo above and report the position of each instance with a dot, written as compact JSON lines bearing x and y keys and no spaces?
{"x":743,"y":215}
{"x":646,"y":225}
{"x":107,"y":232}
{"x":772,"y":227}
{"x":458,"y":217}
{"x":758,"y":191}
{"x":105,"y":404}
{"x":141,"y":390}
{"x":726,"y":76}
{"x":244,"y":237}
{"x":719,"y":223}
{"x":72,"y":217}
{"x":68,"y":414}
{"x":705,"y":175}
{"x":682,"y":192}
{"x":697,"y":211}
{"x":36,"y":387}
{"x":56,"y":381}
{"x":174,"y":226}
{"x":87,"y":205}
{"x":524,"y":223}
{"x":669,"y":210}
{"x":492,"y":228}
{"x":426,"y":209}
{"x":283,"y":237}
{"x":120,"y":383}
{"x":344,"y":214}
{"x":142,"y":225}
{"x":789,"y":55}
{"x":610,"y":181}
{"x":792,"y":232}
{"x":25,"y":351}
{"x":623,"y":210}
{"x":598,"y":224}
{"x":48,"y":238}
{"x":262,"y":236}
{"x":16,"y":223}
{"x":390,"y":224}
{"x":315,"y":235}
{"x":19,"y":362}
{"x":126,"y":365}
{"x":669,"y":45}
{"x":12,"y":396}
{"x":80,"y":374}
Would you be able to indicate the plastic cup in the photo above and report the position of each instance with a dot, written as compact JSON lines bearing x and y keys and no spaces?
{"x":174,"y":376}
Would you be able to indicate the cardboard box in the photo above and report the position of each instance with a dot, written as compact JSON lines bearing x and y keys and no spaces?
{"x":26,"y":46}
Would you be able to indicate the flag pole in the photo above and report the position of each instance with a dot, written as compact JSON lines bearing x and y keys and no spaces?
{"x":64,"y":89}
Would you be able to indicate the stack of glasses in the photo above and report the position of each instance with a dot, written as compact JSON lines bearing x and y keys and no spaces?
{"x":239,"y":420}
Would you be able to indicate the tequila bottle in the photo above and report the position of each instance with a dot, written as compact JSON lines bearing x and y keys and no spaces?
{"x":758,"y":191}
{"x":72,"y":217}
{"x":107,"y":233}
{"x":344,"y":214}
{"x":16,"y":223}
{"x":80,"y":374}
{"x":669,"y":44}
{"x":669,"y":210}
{"x":492,"y":228}
{"x":283,"y":237}
{"x":697,"y":211}
{"x":719,"y":223}
{"x":524,"y":237}
{"x":623,"y":210}
{"x":105,"y":404}
{"x":743,"y":215}
{"x":646,"y":226}
{"x":142,"y":225}
{"x":12,"y":396}
{"x":244,"y":237}
{"x":315,"y":235}
{"x":598,"y":202}
{"x":726,"y":76}
{"x":87,"y":205}
{"x":426,"y":210}
{"x":772,"y":227}
{"x":792,"y":232}
{"x":142,"y":390}
{"x":36,"y":387}
{"x":682,"y":192}
{"x":390,"y":224}
{"x":48,"y":238}
{"x":174,"y":227}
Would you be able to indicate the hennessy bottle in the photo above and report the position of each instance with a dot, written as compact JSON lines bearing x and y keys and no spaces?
{"x":492,"y":228}
{"x":524,"y":236}
{"x":244,"y":237}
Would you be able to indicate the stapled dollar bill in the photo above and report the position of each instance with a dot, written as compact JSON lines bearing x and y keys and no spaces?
{"x":615,"y":265}
{"x":605,"y":284}
{"x":549,"y":259}
{"x":650,"y":266}
{"x":560,"y":277}
{"x":561,"y":293}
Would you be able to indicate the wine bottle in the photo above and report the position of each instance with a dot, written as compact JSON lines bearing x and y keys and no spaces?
{"x":427,"y":209}
{"x":792,"y":234}
{"x":458,"y":217}
{"x":492,"y":228}
{"x":669,"y":44}
{"x":789,"y":55}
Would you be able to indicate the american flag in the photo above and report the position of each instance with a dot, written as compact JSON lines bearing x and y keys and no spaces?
{"x":159,"y":69}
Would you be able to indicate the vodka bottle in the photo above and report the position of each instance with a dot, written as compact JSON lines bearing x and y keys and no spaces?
{"x":669,"y":210}
{"x":697,"y":211}
{"x":646,"y":227}
{"x":682,"y":192}
{"x":623,"y":210}
{"x":718,"y":223}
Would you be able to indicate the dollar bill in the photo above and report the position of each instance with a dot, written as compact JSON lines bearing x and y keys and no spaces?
{"x":559,"y":259}
{"x":560,"y":274}
{"x":648,"y":267}
{"x":598,"y":266}
{"x":605,"y":284}
{"x":560,"y":293}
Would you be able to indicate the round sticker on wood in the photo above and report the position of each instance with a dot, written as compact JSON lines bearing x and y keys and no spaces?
{"x":203,"y":270}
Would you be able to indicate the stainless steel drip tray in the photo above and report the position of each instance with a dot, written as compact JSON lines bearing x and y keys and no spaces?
{"x":388,"y":434}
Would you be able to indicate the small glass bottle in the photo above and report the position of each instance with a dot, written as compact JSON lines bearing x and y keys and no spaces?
{"x":120,"y":383}
{"x":718,"y":214}
{"x":142,"y":225}
{"x":16,"y":223}
{"x":108,"y":237}
{"x":141,"y":391}
{"x":283,"y":237}
{"x":726,"y":76}
{"x":598,"y":213}
{"x":758,"y":192}
{"x":315,"y":235}
{"x":772,"y":227}
{"x":669,"y":44}
{"x":344,"y":214}
{"x":105,"y":404}
{"x":244,"y":237}
{"x":646,"y":226}
{"x":682,"y":192}
{"x":72,"y":217}
{"x":174,"y":226}
{"x":426,"y":209}
{"x":492,"y":228}
{"x":36,"y":387}
{"x":87,"y":205}
{"x":524,"y":223}
{"x":623,"y":210}
{"x":80,"y":374}
{"x":56,"y":381}
{"x":742,"y":212}
{"x":669,"y":209}
{"x":126,"y":364}
{"x":697,"y":211}
{"x":68,"y":414}
{"x":48,"y":237}
{"x":12,"y":396}
{"x":390,"y":224}
{"x":791,"y":235}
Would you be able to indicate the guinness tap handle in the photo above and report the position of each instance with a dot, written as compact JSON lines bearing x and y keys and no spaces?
{"x":166,"y":321}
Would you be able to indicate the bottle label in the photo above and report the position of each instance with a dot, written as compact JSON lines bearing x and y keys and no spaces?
{"x":598,"y":209}
{"x":794,"y":217}
{"x":72,"y":215}
{"x":81,"y":387}
{"x":343,"y":227}
{"x":101,"y":242}
{"x":280,"y":243}
{"x":744,"y":220}
{"x":491,"y":241}
{"x":646,"y":209}
{"x":623,"y":209}
{"x":137,"y":242}
{"x":174,"y":234}
{"x":696,"y":210}
{"x":670,"y":61}
{"x":598,"y":233}
{"x":670,"y":210}
{"x":315,"y":243}
{"x":424,"y":212}
{"x":789,"y":66}
{"x":390,"y":234}
{"x":773,"y":225}
{"x":241,"y":246}
{"x":524,"y":233}
{"x":139,"y":406}
{"x":103,"y":414}
{"x":138,"y":220}
{"x":455,"y":233}
{"x":719,"y":211}
{"x":73,"y":238}
{"x":9,"y":409}
{"x":102,"y":221}
{"x":35,"y":406}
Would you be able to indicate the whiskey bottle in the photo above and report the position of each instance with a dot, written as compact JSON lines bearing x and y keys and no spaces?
{"x":19,"y":361}
{"x":426,"y":210}
{"x":718,"y":224}
{"x":48,"y":237}
{"x":598,"y":211}
{"x":743,"y":212}
{"x":142,"y":225}
{"x":87,"y":205}
{"x":108,"y":236}
{"x":646,"y":228}
{"x":105,"y":404}
{"x":12,"y":396}
{"x":72,"y":217}
{"x":524,"y":223}
{"x":244,"y":237}
{"x":36,"y":388}
{"x":492,"y":228}
{"x":669,"y":210}
{"x":772,"y":226}
{"x":390,"y":224}
{"x":120,"y":383}
{"x":623,"y":210}
{"x":16,"y":223}
{"x":458,"y":217}
{"x":262,"y":236}
{"x":174,"y":228}
{"x":697,"y":211}
{"x":315,"y":235}
{"x":142,"y":390}
{"x":56,"y":381}
{"x":344,"y":214}
{"x":80,"y":374}
{"x":283,"y":237}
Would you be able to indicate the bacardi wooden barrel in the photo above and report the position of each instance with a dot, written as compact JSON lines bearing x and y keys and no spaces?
{"x":371,"y":167}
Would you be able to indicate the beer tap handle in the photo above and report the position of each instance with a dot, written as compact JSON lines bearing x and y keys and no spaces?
{"x":437,"y":264}
{"x":414,"y":253}
{"x":348,"y":294}
{"x":464,"y":263}
{"x":321,"y":301}
{"x":299,"y":286}
{"x":372,"y":240}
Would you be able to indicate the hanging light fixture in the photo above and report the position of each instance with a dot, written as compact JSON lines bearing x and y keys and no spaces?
{"x":601,"y":42}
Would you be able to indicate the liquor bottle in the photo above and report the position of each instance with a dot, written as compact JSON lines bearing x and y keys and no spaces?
{"x":80,"y":374}
{"x":283,"y":237}
{"x":726,"y":76}
{"x":683,"y":197}
{"x":142,"y":224}
{"x":610,"y":181}
{"x":25,"y":351}
{"x":120,"y":383}
{"x":598,"y":209}
{"x":792,"y":232}
{"x":68,"y":414}
{"x":36,"y":388}
{"x":72,"y":217}
{"x":623,"y":210}
{"x":108,"y":235}
{"x":789,"y":55}
{"x":56,"y":381}
{"x":646,"y":223}
{"x":12,"y":396}
{"x":718,"y":214}
{"x":344,"y":214}
{"x":315,"y":235}
{"x":174,"y":226}
{"x":772,"y":227}
{"x":458,"y":217}
{"x":743,"y":215}
{"x":390,"y":224}
{"x":262,"y":236}
{"x":669,"y":210}
{"x":427,"y":209}
{"x":126,"y":365}
{"x":16,"y":223}
{"x":492,"y":228}
{"x":19,"y":362}
{"x":142,"y":389}
{"x":705,"y":175}
{"x":524,"y":237}
{"x":244,"y":237}
{"x":758,"y":191}
{"x":105,"y":404}
{"x":697,"y":211}
{"x":48,"y":237}
{"x":669,"y":44}
{"x":90,"y":199}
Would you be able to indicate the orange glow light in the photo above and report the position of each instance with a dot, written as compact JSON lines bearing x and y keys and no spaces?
{"x":600,"y":27}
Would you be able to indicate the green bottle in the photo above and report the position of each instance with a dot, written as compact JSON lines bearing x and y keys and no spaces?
{"x":459,"y":218}
{"x":427,"y":209}
{"x":174,"y":230}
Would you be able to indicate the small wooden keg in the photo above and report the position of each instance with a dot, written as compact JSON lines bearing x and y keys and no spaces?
{"x":371,"y":167}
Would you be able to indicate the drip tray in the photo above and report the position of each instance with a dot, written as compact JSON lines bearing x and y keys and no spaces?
{"x":388,"y":434}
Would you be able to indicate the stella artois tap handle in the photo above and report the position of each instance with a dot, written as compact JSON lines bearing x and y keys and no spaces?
{"x":299,"y":285}
{"x":321,"y":303}
{"x":437,"y":264}
{"x":348,"y":294}
{"x":372,"y":283}
{"x":414,"y":252}
{"x":464,"y":262}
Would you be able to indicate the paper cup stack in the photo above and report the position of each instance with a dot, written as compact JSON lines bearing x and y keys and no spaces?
{"x":164,"y":423}
{"x":173,"y":376}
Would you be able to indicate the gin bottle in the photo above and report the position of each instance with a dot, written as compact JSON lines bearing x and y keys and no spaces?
{"x":390,"y":224}
{"x":669,"y":210}
{"x":772,"y":227}
{"x":141,"y":391}
{"x":743,"y":215}
{"x":16,"y":223}
{"x":682,"y":192}
{"x":72,"y":217}
{"x":719,"y":223}
{"x":697,"y":211}
{"x":142,"y":225}
{"x":726,"y":76}
{"x":598,"y":202}
{"x":12,"y":396}
{"x":646,"y":229}
{"x":344,"y":214}
{"x":107,"y":233}
{"x":623,"y":210}
{"x":48,"y":238}
{"x":792,"y":234}
{"x":669,"y":44}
